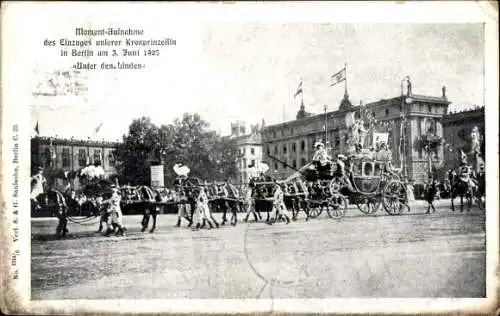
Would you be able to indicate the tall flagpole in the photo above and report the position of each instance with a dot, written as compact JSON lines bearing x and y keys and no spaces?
{"x":326,"y":129}
{"x":345,"y":81}
{"x":302,"y":92}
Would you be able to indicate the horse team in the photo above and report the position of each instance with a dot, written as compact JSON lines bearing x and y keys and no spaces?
{"x":196,"y":201}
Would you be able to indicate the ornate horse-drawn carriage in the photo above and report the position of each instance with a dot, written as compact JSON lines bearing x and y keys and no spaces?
{"x":376,"y":185}
{"x":363,"y":180}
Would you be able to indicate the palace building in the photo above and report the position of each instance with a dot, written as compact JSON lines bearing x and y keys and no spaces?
{"x":457,"y":130}
{"x":289,"y":145}
{"x":72,"y":155}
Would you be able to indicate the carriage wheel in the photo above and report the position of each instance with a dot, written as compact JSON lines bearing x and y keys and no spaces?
{"x":337,"y":207}
{"x":394,"y":198}
{"x":315,"y":210}
{"x":369,"y":205}
{"x":335,"y":186}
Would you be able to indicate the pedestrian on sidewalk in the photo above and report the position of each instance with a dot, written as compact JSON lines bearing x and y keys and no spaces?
{"x":430,"y":194}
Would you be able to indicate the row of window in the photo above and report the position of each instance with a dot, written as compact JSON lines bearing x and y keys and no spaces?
{"x":243,"y":163}
{"x":242,"y":151}
{"x":82,"y":157}
{"x":278,"y":166}
{"x":284,"y":147}
{"x":282,"y":132}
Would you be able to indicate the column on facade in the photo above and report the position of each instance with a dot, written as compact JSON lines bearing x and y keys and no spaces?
{"x":439,"y":132}
{"x":413,"y":138}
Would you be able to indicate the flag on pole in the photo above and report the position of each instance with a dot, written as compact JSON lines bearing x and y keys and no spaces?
{"x":349,"y":119}
{"x":37,"y":130}
{"x":98,"y":127}
{"x":299,"y":90}
{"x":338,"y":77}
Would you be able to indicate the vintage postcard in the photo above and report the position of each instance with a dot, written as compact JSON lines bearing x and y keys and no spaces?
{"x":249,"y":157}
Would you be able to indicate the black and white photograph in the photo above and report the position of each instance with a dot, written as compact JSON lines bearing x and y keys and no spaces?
{"x":175,"y":154}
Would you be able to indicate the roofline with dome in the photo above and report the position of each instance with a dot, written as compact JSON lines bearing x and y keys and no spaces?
{"x":421,"y":98}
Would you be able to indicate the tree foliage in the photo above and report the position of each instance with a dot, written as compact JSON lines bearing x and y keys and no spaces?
{"x":186,"y":140}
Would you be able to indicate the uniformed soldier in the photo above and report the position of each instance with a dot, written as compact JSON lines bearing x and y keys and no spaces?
{"x":466,"y":173}
{"x":279,"y":208}
{"x":38,"y":182}
{"x":233,"y":203}
{"x":180,"y":198}
{"x":430,"y":194}
{"x":202,"y":211}
{"x":341,"y":171}
{"x":116,"y":213}
{"x":249,"y":204}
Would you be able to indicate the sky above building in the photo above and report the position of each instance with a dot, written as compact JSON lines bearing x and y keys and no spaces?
{"x":250,"y":71}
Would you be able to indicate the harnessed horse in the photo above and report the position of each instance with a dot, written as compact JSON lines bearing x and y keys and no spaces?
{"x":262,"y":190}
{"x":185,"y":189}
{"x":147,"y":199}
{"x":461,"y":186}
{"x":54,"y":201}
{"x":230,"y":200}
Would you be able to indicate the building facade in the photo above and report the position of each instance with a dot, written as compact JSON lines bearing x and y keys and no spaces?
{"x":457,"y":130}
{"x":250,"y":149}
{"x":72,"y":155}
{"x":418,"y":117}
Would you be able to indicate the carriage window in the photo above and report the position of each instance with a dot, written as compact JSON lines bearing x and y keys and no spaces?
{"x":65,"y":157}
{"x":82,"y":157}
{"x":378,"y":169}
{"x":368,"y":169}
{"x":357,"y":167}
{"x":97,"y":157}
